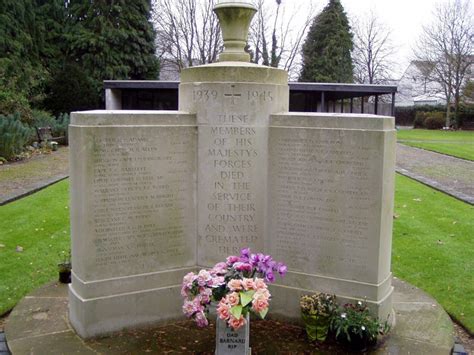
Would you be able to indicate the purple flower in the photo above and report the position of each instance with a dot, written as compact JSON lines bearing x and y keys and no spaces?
{"x":282,"y":269}
{"x":254,"y":259}
{"x":241,"y":266}
{"x":245,"y":253}
{"x":232,"y":259}
{"x":269,"y":276}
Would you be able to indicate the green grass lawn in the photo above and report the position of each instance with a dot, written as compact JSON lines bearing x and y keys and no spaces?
{"x":433,"y":244}
{"x":456,"y":143}
{"x":40,"y":225}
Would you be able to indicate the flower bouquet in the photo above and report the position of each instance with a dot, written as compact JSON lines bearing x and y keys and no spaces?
{"x":238,"y":286}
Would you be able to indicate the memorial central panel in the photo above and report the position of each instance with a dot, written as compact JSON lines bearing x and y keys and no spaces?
{"x":232,"y":159}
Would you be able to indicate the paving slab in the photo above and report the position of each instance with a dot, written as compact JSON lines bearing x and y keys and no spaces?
{"x":39,"y":325}
{"x":445,"y":173}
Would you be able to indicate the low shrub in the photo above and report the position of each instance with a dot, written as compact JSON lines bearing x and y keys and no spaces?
{"x":406,"y":116}
{"x":434,"y":120}
{"x":419,"y":121}
{"x":42,"y":119}
{"x":14,"y":135}
{"x":61,"y":125}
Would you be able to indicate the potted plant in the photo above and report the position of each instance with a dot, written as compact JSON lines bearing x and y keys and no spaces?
{"x":317,"y":311}
{"x":355,"y":328}
{"x":64,"y":267}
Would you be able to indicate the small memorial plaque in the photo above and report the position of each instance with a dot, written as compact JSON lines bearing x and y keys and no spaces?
{"x":229,"y":341}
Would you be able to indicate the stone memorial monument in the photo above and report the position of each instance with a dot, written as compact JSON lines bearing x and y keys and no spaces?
{"x":156,"y":194}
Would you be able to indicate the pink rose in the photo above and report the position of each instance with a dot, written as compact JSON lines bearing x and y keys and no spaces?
{"x":260,"y":284}
{"x":235,"y":285}
{"x":248,"y":284}
{"x":205,"y":295}
{"x":260,"y":304}
{"x":261,"y":294}
{"x":188,"y":279}
{"x":233,"y":299}
{"x":236,"y":323}
{"x":223,"y":310}
{"x":189,"y":308}
{"x":203,"y":277}
{"x":219,"y":269}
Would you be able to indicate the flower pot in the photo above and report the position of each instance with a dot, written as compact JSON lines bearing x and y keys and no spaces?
{"x":65,"y":276}
{"x":317,"y":327}
{"x":357,"y":342}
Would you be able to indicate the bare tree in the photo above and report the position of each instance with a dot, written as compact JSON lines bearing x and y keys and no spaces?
{"x":373,"y":50}
{"x":448,"y":43}
{"x":277,"y":33}
{"x":188,"y":33}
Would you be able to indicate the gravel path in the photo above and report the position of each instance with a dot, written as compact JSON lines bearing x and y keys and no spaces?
{"x":451,"y":175}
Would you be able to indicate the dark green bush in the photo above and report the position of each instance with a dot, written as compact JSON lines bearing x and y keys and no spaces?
{"x":14,"y":135}
{"x":434,"y":120}
{"x":419,"y":121}
{"x":406,"y":116}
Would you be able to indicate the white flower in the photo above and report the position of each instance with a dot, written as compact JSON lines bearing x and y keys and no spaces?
{"x":359,"y":303}
{"x":343,"y":315}
{"x":363,"y":328}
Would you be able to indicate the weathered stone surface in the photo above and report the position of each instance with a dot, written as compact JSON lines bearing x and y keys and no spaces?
{"x":133,"y":185}
{"x":331,"y":183}
{"x":233,"y":103}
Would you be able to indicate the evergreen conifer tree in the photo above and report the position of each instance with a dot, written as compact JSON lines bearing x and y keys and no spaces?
{"x":21,"y":73}
{"x":112,"y":40}
{"x":327,"y":48}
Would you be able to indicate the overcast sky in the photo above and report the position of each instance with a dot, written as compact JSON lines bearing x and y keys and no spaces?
{"x":404,"y":17}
